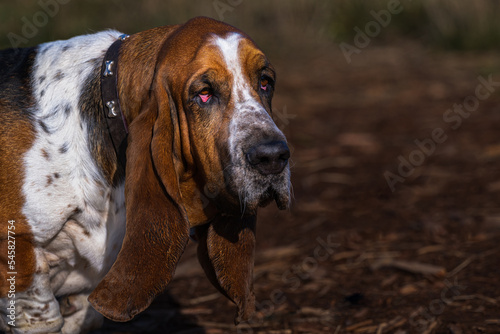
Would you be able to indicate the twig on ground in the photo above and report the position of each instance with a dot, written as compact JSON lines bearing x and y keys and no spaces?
{"x":412,"y":267}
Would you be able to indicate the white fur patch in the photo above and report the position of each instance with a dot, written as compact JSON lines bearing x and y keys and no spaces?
{"x":229,"y":48}
{"x":75,"y":215}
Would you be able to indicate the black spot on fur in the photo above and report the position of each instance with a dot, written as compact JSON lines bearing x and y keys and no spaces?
{"x":41,"y":79}
{"x":59,"y":75}
{"x":44,"y":127}
{"x":64,"y":148}
{"x":57,"y":175}
{"x":77,"y":211}
{"x":66,"y":48}
{"x":67,"y":109}
{"x":42,"y":93}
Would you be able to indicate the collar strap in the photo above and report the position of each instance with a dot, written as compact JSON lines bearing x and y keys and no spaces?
{"x":117,"y":124}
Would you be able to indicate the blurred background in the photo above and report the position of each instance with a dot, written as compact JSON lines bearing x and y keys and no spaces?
{"x":392,"y":110}
{"x":444,"y":24}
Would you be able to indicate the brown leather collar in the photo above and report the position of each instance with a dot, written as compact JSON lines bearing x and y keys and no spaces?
{"x":115,"y":119}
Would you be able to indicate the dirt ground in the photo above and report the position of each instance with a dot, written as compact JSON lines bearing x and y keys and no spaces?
{"x":352,"y":255}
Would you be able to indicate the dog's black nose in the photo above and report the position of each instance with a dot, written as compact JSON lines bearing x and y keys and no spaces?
{"x":269,"y":158}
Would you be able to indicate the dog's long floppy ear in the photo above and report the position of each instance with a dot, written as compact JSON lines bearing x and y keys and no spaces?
{"x":157,"y":228}
{"x":226,"y":251}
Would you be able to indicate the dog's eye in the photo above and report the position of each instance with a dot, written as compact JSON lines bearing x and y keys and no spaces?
{"x":205,"y":95}
{"x":264,"y":83}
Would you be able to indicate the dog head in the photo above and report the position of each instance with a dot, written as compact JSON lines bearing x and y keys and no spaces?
{"x":203,"y":153}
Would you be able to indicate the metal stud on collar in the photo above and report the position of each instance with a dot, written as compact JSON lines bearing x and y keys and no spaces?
{"x":109,"y":64}
{"x":112,"y":112}
{"x":108,"y":70}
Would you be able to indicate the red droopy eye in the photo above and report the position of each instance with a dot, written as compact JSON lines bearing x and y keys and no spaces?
{"x":205,"y":96}
{"x":263,"y":84}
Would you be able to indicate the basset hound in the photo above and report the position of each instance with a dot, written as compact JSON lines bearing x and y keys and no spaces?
{"x":113,"y":151}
